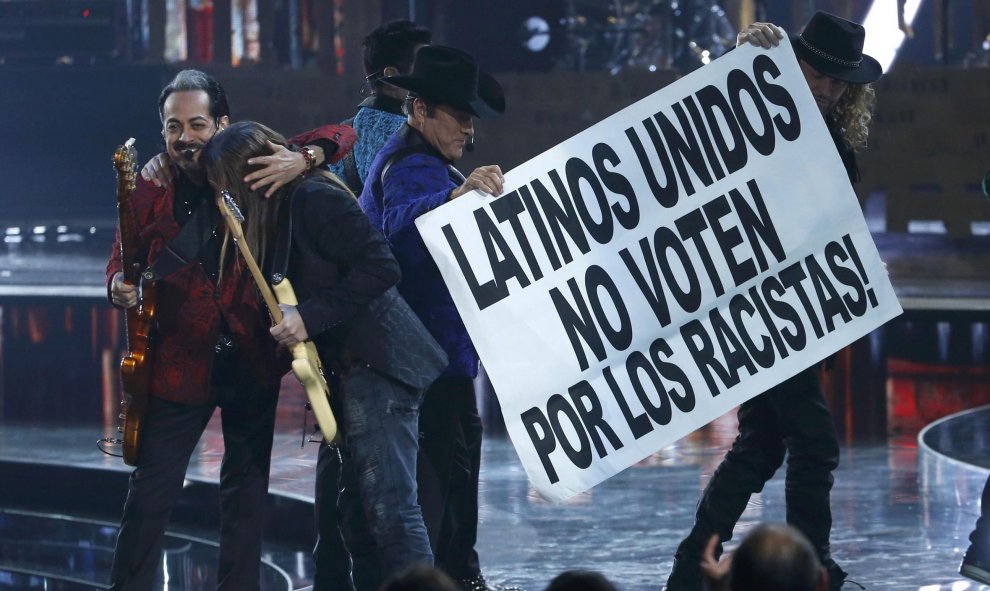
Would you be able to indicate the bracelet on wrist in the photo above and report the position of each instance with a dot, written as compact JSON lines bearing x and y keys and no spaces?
{"x":309,"y":155}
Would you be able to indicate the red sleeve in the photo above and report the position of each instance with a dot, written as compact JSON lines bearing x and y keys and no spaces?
{"x":142,"y":208}
{"x":342,"y":136}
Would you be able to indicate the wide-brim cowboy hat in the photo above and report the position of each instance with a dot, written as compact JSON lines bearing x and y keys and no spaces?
{"x":451,"y":77}
{"x":834,"y":46}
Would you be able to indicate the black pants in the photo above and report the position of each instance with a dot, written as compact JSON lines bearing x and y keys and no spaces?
{"x":169,"y":435}
{"x":447,"y":473}
{"x":791,"y":417}
{"x":979,"y":539}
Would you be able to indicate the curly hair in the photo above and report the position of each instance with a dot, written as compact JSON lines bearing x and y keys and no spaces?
{"x":853,"y":114}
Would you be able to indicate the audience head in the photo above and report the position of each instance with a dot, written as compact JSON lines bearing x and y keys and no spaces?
{"x":580,"y":580}
{"x":420,"y":578}
{"x":776,"y":557}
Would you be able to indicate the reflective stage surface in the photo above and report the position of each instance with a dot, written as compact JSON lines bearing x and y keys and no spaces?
{"x":901,"y":513}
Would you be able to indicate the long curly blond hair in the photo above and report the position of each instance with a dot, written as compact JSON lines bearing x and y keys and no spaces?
{"x":853,"y":114}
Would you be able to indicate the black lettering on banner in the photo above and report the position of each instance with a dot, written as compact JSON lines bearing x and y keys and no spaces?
{"x":595,"y":280}
{"x":541,"y":435}
{"x":732,"y":349}
{"x":777,"y":95}
{"x":761,"y":308}
{"x":763,"y":356}
{"x":757,"y":224}
{"x":670,"y":371}
{"x":690,"y":226}
{"x":727,"y":239}
{"x":580,"y":455}
{"x":851,"y":249}
{"x":502,"y":260}
{"x":712,"y":100}
{"x":791,"y":277}
{"x":618,"y":184}
{"x":706,"y":143}
{"x":664,"y":242}
{"x":828,"y":297}
{"x":541,"y":228}
{"x":651,"y":288}
{"x":738,"y":83}
{"x":835,"y":254}
{"x":577,"y":170}
{"x":507,"y":208}
{"x":485,"y":294}
{"x":684,"y":146}
{"x":639,"y":424}
{"x":797,"y":337}
{"x":667,"y":194}
{"x":660,"y":412}
{"x":588,"y":405}
{"x":561,"y":217}
{"x":702,"y":350}
{"x":578,"y":324}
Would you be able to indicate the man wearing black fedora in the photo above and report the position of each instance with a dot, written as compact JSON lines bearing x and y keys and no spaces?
{"x":793,"y":416}
{"x":412,"y":174}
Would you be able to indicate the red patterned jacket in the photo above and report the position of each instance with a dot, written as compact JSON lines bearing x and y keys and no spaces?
{"x":189,"y":306}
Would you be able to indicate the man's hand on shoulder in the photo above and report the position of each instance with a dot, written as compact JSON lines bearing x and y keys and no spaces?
{"x":158,"y":170}
{"x":765,"y":35}
{"x":279,"y":169}
{"x":488,"y":179}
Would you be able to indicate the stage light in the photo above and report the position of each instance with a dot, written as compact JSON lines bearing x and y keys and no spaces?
{"x":537,"y":34}
{"x":883,"y":35}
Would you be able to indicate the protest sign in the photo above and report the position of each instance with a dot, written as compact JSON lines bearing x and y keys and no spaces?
{"x":659,"y":268}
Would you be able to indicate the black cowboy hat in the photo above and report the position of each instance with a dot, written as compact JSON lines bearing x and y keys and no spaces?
{"x":451,"y":77}
{"x":834,"y":46}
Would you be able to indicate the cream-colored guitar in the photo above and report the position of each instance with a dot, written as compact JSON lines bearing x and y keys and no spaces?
{"x":306,"y":364}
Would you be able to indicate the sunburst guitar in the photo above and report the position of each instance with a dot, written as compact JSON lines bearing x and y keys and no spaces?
{"x":135,"y":367}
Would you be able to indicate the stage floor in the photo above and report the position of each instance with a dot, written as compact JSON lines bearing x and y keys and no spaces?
{"x":901,"y":514}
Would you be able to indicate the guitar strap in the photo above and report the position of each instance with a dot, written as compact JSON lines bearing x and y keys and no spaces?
{"x":283,"y":244}
{"x":187,"y":243}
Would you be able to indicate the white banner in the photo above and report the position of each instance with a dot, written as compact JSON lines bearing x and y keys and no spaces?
{"x":666,"y":264}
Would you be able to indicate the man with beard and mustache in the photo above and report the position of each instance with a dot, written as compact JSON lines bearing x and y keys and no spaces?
{"x":792,"y":416}
{"x":212,"y":348}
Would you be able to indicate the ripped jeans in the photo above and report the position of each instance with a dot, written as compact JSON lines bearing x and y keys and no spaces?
{"x":381,"y":427}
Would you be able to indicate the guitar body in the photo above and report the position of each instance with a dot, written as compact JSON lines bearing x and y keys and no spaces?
{"x":308,"y":369}
{"x":135,"y":372}
{"x":135,"y":367}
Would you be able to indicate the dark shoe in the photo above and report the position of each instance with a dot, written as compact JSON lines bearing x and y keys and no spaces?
{"x":685,"y":575}
{"x":838,"y":577}
{"x":974,"y":568}
{"x":478,"y":583}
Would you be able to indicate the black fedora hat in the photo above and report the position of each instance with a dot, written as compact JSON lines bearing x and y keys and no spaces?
{"x":452,"y":77}
{"x":834,"y":46}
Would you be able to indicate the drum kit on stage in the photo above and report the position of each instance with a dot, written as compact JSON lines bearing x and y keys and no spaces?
{"x":614,"y":35}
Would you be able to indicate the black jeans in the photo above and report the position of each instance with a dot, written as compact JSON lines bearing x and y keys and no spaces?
{"x":169,"y":434}
{"x":791,"y":417}
{"x":979,"y":539}
{"x":447,"y":472}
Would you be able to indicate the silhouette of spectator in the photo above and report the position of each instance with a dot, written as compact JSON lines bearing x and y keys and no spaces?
{"x":420,"y":578}
{"x":580,"y":580}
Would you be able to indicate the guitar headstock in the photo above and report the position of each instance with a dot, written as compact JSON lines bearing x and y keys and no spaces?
{"x":125,"y":162}
{"x":231,"y":213}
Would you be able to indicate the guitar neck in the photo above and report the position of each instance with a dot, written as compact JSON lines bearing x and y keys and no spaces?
{"x":259,"y":277}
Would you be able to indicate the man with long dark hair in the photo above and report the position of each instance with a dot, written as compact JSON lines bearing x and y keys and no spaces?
{"x":344,"y":275}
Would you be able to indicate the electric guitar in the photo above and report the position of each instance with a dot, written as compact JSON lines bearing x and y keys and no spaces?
{"x":306,"y":364}
{"x":135,"y":367}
